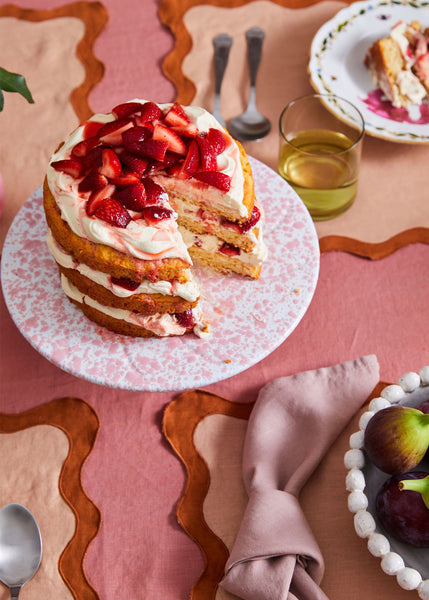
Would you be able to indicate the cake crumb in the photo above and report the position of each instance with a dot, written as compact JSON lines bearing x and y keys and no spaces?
{"x":228,"y":361}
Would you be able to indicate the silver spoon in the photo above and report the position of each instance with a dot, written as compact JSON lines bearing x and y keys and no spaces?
{"x":20,"y":547}
{"x":222,"y":44}
{"x":251,"y":125}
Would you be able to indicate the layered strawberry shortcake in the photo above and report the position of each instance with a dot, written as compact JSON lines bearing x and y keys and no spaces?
{"x":131,"y":197}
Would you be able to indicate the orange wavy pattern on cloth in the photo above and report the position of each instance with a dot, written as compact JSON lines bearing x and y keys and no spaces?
{"x":181,"y":420}
{"x":172,"y":14}
{"x":80,"y":424}
{"x":94,"y":16}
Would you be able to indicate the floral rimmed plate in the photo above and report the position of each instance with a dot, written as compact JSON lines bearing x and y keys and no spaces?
{"x":249,"y":319}
{"x":336,"y":66}
{"x":409,"y":565}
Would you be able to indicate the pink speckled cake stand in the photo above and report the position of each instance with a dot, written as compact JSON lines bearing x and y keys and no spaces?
{"x":249,"y":319}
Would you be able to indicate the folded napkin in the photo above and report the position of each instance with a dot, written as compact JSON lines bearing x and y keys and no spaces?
{"x":292,"y":425}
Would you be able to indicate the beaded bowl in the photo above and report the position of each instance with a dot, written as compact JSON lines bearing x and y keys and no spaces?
{"x":409,"y":565}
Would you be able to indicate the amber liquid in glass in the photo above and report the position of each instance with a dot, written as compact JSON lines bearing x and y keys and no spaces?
{"x":323,"y":167}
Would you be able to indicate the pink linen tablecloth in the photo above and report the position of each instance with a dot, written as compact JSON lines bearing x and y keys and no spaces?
{"x":360,"y":307}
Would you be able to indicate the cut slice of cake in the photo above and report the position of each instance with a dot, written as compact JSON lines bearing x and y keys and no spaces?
{"x":131,"y":197}
{"x":399,"y":64}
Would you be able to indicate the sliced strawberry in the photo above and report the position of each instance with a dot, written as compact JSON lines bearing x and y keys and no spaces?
{"x":93,"y":160}
{"x":97,"y":198}
{"x":91,"y":128}
{"x":85,"y":146}
{"x":175,"y":144}
{"x":208,"y":160}
{"x":110,"y":164}
{"x":111,"y":132}
{"x":254,"y":218}
{"x":229,"y":249}
{"x":127,"y":109}
{"x":192,"y":160}
{"x":155,"y":193}
{"x":128,"y":284}
{"x":133,"y":196}
{"x":217,"y":140}
{"x":92,"y":182}
{"x":179,"y":121}
{"x":149,"y":112}
{"x":176,"y":115}
{"x":70,"y":166}
{"x":422,"y":67}
{"x":153,"y":214}
{"x":136,"y":164}
{"x":189,"y":166}
{"x":222,"y":181}
{"x":113,"y":212}
{"x":185,"y":319}
{"x":186,"y":131}
{"x":125,"y":178}
{"x":155,"y":149}
{"x":136,"y":134}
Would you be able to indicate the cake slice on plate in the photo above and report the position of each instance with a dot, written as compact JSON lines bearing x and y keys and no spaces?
{"x":399,"y":64}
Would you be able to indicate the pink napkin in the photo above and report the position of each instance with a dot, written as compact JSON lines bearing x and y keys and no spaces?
{"x":292,"y":425}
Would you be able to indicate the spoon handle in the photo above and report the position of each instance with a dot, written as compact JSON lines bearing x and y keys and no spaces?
{"x":222,"y":44}
{"x":14,"y":592}
{"x":255,"y":38}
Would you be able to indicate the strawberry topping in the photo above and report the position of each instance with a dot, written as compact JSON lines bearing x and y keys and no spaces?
{"x":175,"y":144}
{"x":111,"y":211}
{"x":115,"y":161}
{"x":97,"y":198}
{"x":110,"y":164}
{"x":153,"y":214}
{"x":132,"y":197}
{"x":70,"y":166}
{"x":92,"y":182}
{"x":222,"y":181}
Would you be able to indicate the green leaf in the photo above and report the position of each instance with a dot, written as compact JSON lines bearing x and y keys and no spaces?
{"x":1,"y":100}
{"x":13,"y":82}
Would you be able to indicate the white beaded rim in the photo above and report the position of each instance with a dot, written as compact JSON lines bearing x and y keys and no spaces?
{"x":354,"y":460}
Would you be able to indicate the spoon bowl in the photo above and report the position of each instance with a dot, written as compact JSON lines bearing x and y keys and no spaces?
{"x":20,"y":547}
{"x":251,"y":125}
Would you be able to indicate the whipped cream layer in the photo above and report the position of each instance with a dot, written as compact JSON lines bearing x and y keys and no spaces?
{"x":143,"y":241}
{"x":211,"y":220}
{"x":211,"y":244}
{"x":188,"y":291}
{"x":161,"y":325}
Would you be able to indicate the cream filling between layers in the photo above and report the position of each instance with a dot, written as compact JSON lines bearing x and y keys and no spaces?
{"x":139,"y":239}
{"x":161,"y":325}
{"x":188,"y":291}
{"x":190,"y":210}
{"x":210,"y":243}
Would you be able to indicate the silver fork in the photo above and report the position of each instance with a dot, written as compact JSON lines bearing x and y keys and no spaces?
{"x":222,"y":44}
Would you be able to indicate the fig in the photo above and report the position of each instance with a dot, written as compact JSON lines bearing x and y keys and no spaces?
{"x":402,"y":512}
{"x":424,"y":407}
{"x":396,"y":438}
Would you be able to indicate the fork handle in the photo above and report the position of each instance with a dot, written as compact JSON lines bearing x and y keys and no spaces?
{"x":222,"y":44}
{"x":255,"y":38}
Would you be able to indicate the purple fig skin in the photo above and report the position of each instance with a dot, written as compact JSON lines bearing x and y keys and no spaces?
{"x":424,"y":407}
{"x":402,"y":513}
{"x":396,"y":438}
